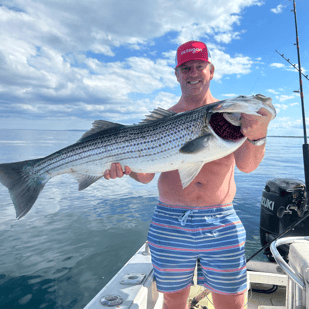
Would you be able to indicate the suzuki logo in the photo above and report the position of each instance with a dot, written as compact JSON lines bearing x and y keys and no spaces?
{"x":267,"y":203}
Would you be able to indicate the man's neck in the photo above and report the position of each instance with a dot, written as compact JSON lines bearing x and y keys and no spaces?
{"x":191,"y":102}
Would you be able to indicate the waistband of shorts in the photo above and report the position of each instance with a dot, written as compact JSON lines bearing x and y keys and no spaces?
{"x":210,"y":209}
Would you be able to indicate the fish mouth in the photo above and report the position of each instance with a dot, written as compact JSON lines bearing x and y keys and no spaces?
{"x":224,"y":128}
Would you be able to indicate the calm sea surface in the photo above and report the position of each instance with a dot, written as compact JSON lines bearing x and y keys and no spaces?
{"x":72,"y":243}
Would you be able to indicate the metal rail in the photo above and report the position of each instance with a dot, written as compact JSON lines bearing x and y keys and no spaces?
{"x":281,"y":262}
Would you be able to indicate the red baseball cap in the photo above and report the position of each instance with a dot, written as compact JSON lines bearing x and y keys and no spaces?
{"x":192,"y":50}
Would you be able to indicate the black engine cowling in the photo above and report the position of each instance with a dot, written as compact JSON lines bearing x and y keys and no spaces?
{"x":283,"y":203}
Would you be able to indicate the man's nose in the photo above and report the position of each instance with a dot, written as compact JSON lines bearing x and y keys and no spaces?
{"x":193,"y":70}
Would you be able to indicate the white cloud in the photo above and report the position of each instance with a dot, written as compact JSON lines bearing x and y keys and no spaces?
{"x":280,"y":107}
{"x":229,"y":95}
{"x":277,"y":65}
{"x":283,"y":97}
{"x":64,"y":57}
{"x":278,"y":9}
{"x":272,"y":91}
{"x":226,"y":65}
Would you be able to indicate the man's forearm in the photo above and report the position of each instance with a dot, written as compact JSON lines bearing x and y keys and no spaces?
{"x":248,"y":157}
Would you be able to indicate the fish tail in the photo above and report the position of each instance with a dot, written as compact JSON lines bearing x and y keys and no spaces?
{"x":23,"y":183}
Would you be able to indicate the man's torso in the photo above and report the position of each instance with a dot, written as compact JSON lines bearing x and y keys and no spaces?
{"x":214,"y":185}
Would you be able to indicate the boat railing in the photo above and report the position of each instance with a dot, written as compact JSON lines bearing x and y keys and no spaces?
{"x":297,"y":271}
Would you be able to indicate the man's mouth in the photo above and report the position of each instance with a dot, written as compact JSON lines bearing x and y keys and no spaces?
{"x":193,"y":82}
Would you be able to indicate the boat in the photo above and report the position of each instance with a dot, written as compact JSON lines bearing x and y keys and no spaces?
{"x":271,"y":285}
{"x":281,"y":282}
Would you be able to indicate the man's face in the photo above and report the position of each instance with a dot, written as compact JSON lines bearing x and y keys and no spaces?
{"x":194,"y":77}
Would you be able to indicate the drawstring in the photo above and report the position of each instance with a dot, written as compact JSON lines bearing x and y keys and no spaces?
{"x":183,"y":218}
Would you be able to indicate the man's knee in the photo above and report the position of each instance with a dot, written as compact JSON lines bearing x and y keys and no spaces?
{"x":176,"y":300}
{"x":229,"y":301}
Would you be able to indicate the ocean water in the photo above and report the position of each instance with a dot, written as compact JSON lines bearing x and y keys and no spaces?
{"x":72,"y":243}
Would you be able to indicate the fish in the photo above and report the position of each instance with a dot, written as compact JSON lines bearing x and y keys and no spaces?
{"x":162,"y":142}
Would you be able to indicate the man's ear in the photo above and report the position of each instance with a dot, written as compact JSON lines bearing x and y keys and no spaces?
{"x":211,"y":70}
{"x":177,"y":74}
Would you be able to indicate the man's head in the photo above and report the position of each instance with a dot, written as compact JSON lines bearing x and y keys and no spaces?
{"x":194,"y":70}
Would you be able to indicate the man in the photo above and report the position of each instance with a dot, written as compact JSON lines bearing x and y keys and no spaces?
{"x":198,"y":223}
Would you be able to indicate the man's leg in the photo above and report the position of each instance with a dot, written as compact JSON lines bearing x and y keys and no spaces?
{"x":176,"y":300}
{"x":228,"y":301}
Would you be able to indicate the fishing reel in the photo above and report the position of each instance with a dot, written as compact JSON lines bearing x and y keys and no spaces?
{"x":283,"y":203}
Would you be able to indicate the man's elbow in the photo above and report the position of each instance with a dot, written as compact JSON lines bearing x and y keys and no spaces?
{"x":143,"y":177}
{"x":246,"y":170}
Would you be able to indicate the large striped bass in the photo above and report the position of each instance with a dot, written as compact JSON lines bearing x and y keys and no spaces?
{"x":164,"y":141}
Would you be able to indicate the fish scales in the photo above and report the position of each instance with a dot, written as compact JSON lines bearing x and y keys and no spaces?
{"x":140,"y":141}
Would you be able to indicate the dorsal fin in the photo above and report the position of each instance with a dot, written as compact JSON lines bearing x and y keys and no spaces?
{"x":100,"y":125}
{"x":158,"y":113}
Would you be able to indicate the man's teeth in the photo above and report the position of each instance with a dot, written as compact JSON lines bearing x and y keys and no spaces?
{"x":194,"y":83}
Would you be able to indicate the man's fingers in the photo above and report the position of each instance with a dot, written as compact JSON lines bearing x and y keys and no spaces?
{"x":113,"y":171}
{"x":127,"y":170}
{"x":264,"y":112}
{"x":116,"y":171}
{"x":119,"y":171}
{"x":107,"y":175}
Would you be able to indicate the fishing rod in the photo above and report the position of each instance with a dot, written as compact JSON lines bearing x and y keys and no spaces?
{"x":305,"y":145}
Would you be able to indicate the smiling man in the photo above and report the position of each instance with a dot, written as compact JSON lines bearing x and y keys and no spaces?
{"x":198,"y":224}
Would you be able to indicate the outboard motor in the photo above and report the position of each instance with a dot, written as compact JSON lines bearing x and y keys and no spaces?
{"x":283,"y":203}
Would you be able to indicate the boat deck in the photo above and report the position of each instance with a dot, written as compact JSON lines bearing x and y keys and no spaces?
{"x":261,"y":300}
{"x":255,"y":300}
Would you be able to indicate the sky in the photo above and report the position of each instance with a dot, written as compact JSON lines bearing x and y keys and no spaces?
{"x":67,"y":63}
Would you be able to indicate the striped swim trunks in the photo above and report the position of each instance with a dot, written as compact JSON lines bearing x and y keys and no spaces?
{"x":212,"y":237}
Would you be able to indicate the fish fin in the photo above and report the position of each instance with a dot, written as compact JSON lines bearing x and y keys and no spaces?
{"x":196,"y":145}
{"x":158,"y":113}
{"x":24,"y":187}
{"x":100,"y":125}
{"x":189,"y":172}
{"x":84,"y":181}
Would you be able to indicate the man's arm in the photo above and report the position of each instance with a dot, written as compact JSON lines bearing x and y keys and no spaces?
{"x":116,"y":172}
{"x":248,"y":156}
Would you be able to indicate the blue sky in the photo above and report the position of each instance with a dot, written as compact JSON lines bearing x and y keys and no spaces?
{"x":64,"y":64}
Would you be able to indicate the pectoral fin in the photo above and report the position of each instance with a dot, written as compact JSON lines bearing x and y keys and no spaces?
{"x":189,"y":172}
{"x":196,"y":145}
{"x":84,"y":181}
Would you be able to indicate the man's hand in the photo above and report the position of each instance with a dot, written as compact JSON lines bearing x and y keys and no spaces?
{"x":255,"y":127}
{"x":116,"y":171}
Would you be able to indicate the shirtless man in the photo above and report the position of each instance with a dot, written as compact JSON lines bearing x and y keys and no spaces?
{"x":202,"y":211}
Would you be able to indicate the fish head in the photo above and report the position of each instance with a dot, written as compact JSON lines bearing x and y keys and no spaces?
{"x":245,"y":105}
{"x":223,"y":118}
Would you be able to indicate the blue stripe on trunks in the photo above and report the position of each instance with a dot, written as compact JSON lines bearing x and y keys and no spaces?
{"x":211,"y":236}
